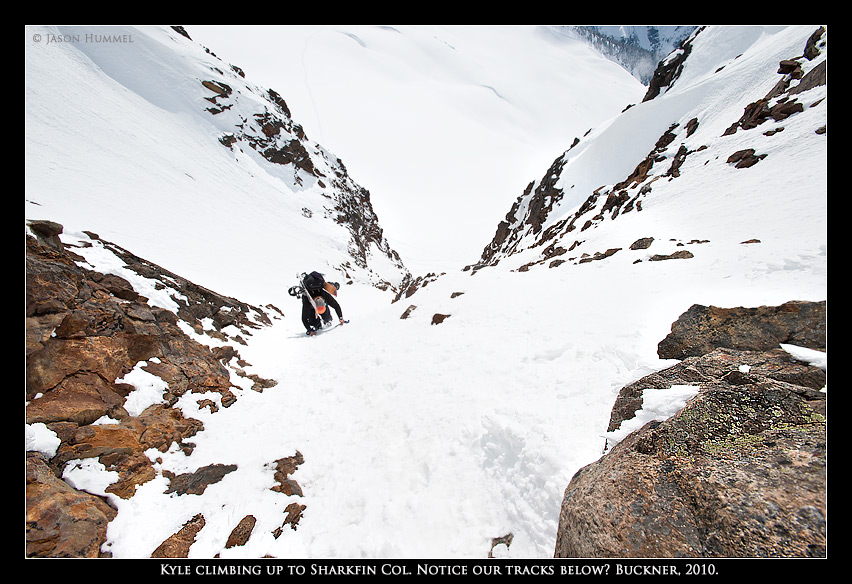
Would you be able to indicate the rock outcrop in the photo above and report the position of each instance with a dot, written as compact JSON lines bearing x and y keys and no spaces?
{"x":670,"y":68}
{"x":780,"y":103}
{"x":177,"y":546}
{"x":85,"y":331}
{"x":740,"y":471}
{"x":410,"y":285}
{"x":62,"y":522}
{"x":701,"y":329}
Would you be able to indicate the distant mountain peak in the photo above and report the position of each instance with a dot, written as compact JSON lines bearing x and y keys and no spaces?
{"x":636,"y":48}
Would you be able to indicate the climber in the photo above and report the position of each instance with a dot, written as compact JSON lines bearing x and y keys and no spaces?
{"x":323,"y":295}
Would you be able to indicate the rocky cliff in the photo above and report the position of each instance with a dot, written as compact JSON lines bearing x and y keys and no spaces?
{"x":740,"y":471}
{"x":85,"y":331}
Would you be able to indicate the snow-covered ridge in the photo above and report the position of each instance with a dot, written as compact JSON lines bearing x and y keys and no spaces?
{"x":672,"y":152}
{"x":153,"y":129}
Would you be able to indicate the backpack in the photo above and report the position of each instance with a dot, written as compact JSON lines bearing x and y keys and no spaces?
{"x":314,"y":282}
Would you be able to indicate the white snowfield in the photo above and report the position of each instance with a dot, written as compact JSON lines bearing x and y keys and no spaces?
{"x":419,"y":440}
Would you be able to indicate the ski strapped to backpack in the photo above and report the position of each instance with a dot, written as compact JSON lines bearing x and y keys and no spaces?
{"x":302,"y":281}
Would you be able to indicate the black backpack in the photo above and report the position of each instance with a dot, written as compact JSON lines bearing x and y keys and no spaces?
{"x":314,"y":282}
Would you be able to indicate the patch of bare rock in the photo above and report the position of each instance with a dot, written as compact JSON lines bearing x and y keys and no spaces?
{"x":740,"y":471}
{"x":85,"y":331}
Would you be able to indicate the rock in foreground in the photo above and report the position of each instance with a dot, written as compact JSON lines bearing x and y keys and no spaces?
{"x":85,"y":331}
{"x":740,"y":471}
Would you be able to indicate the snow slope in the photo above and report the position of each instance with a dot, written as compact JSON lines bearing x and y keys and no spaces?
{"x":781,"y":201}
{"x":427,"y":441}
{"x":119,"y":142}
{"x":405,"y":106}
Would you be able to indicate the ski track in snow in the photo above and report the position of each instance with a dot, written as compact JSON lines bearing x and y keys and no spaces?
{"x":415,"y":445}
{"x":425,"y":441}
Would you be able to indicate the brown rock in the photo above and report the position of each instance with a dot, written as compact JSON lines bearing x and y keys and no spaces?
{"x":294,"y":515}
{"x":668,"y":70}
{"x":109,"y":357}
{"x":293,"y":152}
{"x":785,"y":109}
{"x":814,"y":78}
{"x":47,"y":232}
{"x":134,"y":469}
{"x":61,"y":522}
{"x":52,"y":279}
{"x":195,"y":483}
{"x":691,"y":126}
{"x":80,"y":398}
{"x":39,"y":330}
{"x":284,"y":467}
{"x":752,"y":495}
{"x":85,"y":330}
{"x":116,"y":285}
{"x":164,"y":426}
{"x":177,"y":546}
{"x":217,"y":87}
{"x":740,"y":471}
{"x":599,"y":256}
{"x":505,"y":540}
{"x":439,"y":318}
{"x":812,"y":48}
{"x":703,"y":328}
{"x":788,"y":66}
{"x":241,"y":533}
{"x":678,"y":255}
{"x":192,"y":367}
{"x":98,"y":440}
{"x":642,"y":243}
{"x":724,"y":364}
{"x":538,"y":201}
{"x":745,"y":158}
